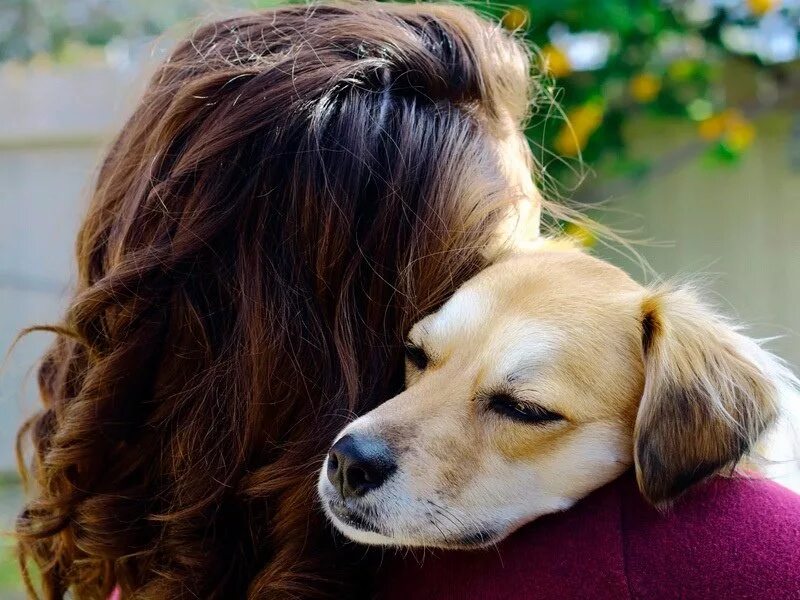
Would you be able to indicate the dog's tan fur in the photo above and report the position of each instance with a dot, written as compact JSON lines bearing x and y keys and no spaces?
{"x":644,"y":377}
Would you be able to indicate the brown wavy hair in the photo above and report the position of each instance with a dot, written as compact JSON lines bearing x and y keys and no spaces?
{"x":296,"y":187}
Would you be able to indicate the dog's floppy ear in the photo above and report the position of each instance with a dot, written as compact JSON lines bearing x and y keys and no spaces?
{"x":709,"y":393}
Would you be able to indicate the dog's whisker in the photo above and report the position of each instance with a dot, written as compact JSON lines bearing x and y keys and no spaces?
{"x":434,"y":521}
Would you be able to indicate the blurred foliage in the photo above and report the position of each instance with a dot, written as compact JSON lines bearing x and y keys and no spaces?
{"x":32,"y":27}
{"x":10,"y":500}
{"x":607,"y":61}
{"x":610,"y":61}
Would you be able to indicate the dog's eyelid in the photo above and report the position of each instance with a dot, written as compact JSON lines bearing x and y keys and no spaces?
{"x":510,"y":406}
{"x":417,"y":355}
{"x":412,"y":345}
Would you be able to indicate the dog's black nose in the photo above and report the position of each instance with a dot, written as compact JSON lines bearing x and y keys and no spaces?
{"x":358,"y":464}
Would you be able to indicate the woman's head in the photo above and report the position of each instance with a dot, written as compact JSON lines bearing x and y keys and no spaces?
{"x":296,"y":188}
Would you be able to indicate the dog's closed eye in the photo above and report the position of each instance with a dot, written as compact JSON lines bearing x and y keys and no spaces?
{"x":526,"y":412}
{"x":417,"y":356}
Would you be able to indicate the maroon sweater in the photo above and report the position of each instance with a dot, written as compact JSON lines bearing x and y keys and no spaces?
{"x":728,"y":538}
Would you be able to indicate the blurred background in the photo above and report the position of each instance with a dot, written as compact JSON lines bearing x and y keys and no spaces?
{"x":679,"y":124}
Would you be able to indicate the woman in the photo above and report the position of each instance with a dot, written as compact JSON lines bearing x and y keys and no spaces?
{"x":296,"y":187}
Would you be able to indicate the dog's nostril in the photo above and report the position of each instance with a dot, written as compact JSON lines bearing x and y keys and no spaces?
{"x":358,"y":477}
{"x":358,"y":464}
{"x":333,"y":462}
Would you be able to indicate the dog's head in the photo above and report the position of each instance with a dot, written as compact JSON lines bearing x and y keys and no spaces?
{"x":540,"y":380}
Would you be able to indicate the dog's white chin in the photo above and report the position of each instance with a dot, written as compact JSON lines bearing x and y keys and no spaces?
{"x":373,"y":538}
{"x":422,"y":539}
{"x":370,"y":538}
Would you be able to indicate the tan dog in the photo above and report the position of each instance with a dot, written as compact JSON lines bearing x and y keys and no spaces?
{"x":543,"y":378}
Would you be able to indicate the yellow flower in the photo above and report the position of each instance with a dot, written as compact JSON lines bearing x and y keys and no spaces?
{"x":581,"y":234}
{"x":713,"y":127}
{"x":762,"y":7}
{"x":515,"y":18}
{"x":585,"y":119}
{"x":730,"y":126}
{"x":555,"y":62}
{"x":581,"y":124}
{"x":568,"y":143}
{"x":644,"y":87}
{"x":740,"y":136}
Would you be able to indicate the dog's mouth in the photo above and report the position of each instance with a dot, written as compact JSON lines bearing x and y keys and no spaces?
{"x":352,"y":518}
{"x":469,"y":540}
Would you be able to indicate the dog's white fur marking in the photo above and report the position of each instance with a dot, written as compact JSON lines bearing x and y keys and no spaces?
{"x":644,"y":377}
{"x":459,"y":315}
{"x":523,"y":347}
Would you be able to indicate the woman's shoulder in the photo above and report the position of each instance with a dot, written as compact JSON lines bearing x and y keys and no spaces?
{"x":732,"y":537}
{"x":735,"y":536}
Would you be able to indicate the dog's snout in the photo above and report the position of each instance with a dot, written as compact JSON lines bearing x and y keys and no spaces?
{"x":358,"y":464}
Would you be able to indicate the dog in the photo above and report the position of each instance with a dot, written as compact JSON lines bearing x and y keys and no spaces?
{"x":544,"y":377}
